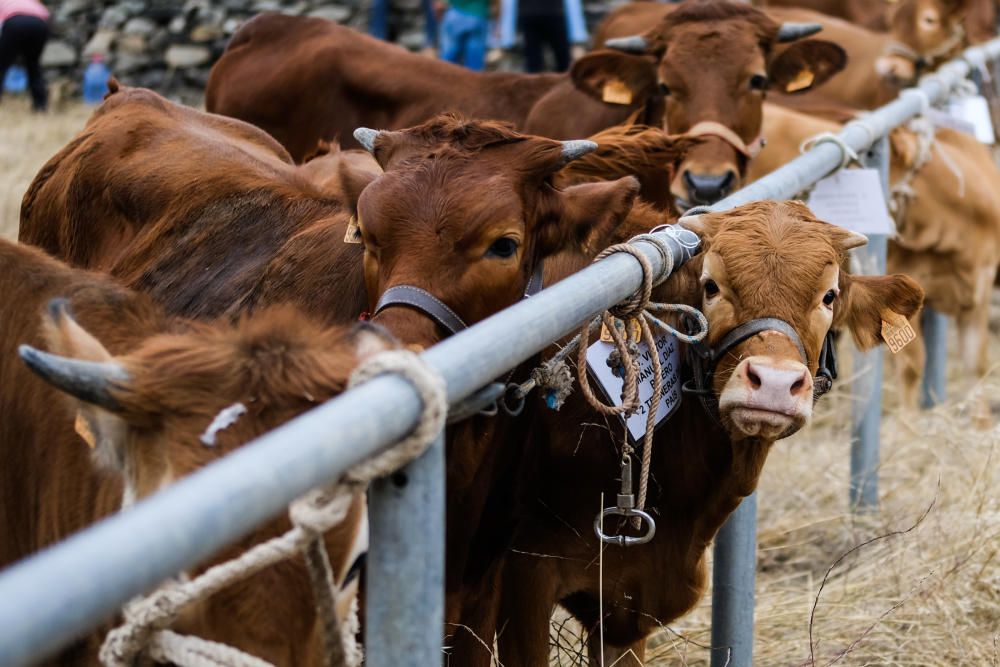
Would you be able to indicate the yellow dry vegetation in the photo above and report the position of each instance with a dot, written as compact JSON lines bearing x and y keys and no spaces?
{"x":27,"y":141}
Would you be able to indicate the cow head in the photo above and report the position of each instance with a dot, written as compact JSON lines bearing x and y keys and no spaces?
{"x":775,"y":260}
{"x":705,"y":69}
{"x":181,"y":401}
{"x":466,"y":212}
{"x":925,"y":33}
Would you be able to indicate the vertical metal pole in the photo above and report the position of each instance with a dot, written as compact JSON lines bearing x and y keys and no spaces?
{"x":404,"y":591}
{"x":733,"y":574}
{"x":935,"y":331}
{"x":866,"y":416}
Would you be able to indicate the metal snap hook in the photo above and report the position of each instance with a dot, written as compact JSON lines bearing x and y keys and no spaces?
{"x":625,"y":540}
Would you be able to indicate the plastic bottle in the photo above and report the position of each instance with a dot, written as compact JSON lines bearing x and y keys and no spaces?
{"x":95,"y":80}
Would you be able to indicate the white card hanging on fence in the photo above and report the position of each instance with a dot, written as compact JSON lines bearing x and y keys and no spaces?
{"x":943,"y":119}
{"x":974,"y":109}
{"x":853,"y":199}
{"x":611,"y":385}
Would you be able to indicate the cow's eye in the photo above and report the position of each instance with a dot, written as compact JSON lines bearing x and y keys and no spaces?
{"x":829,"y":298}
{"x":664,"y":88}
{"x":711,"y":288}
{"x":758,"y":82}
{"x":504,"y":248}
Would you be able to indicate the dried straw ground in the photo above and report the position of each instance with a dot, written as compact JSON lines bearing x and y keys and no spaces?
{"x":928,"y":593}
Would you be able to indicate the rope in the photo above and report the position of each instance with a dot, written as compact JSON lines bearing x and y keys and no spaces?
{"x":902,"y":192}
{"x":847,"y":154}
{"x":634,"y":311}
{"x":144,"y":631}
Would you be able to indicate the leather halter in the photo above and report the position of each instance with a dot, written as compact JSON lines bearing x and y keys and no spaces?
{"x":704,"y":359}
{"x":436,"y":309}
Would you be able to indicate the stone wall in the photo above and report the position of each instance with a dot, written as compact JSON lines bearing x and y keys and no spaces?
{"x":170,"y":45}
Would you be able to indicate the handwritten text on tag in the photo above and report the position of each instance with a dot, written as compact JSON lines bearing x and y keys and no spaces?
{"x":853,"y":199}
{"x":670,"y":363}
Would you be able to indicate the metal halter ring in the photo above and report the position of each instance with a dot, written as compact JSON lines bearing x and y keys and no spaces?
{"x":625,"y":540}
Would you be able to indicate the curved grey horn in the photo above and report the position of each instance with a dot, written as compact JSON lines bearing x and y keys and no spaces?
{"x":366,"y":137}
{"x":90,"y":381}
{"x":791,"y":31}
{"x":575,"y":149}
{"x":631,"y":44}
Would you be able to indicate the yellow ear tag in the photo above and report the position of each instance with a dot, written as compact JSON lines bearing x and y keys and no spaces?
{"x":82,"y":427}
{"x":803,"y":80}
{"x":353,"y":234}
{"x":635,"y":331}
{"x":616,"y":92}
{"x":896,"y":331}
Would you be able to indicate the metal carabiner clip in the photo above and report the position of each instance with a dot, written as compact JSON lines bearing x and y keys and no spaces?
{"x":625,"y":540}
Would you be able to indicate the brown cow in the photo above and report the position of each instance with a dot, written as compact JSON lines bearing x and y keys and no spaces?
{"x":144,"y":391}
{"x":464,"y":210}
{"x":762,"y":260}
{"x":273,"y":60}
{"x":947,"y":197}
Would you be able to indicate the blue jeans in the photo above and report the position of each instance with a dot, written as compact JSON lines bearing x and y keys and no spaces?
{"x":463,"y":39}
{"x":378,"y":21}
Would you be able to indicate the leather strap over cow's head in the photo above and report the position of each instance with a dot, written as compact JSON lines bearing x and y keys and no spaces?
{"x":422,"y":300}
{"x":704,"y":359}
{"x":923,"y":61}
{"x":711,"y":128}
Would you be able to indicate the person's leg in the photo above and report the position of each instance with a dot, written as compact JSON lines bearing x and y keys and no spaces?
{"x":430,"y":24}
{"x":534,"y":59}
{"x":558,"y":40}
{"x":475,"y":44}
{"x":35,"y":34}
{"x":450,"y":36}
{"x":8,"y":52}
{"x":378,"y":19}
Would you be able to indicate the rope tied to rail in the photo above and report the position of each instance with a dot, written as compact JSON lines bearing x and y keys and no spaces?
{"x":636,"y":313}
{"x":145,"y":632}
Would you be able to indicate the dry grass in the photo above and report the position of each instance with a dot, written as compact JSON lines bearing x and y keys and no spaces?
{"x":27,"y":141}
{"x":927,"y":597}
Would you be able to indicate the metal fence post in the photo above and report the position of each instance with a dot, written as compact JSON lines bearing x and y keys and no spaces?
{"x":866,"y":415}
{"x":734,"y":571}
{"x":404,"y":591}
{"x":935,"y":331}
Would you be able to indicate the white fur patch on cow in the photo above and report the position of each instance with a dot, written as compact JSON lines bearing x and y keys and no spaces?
{"x":226,"y":418}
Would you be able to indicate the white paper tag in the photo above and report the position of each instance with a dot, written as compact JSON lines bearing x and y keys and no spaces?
{"x":943,"y":119}
{"x":670,"y":365}
{"x":853,"y":199}
{"x":974,"y":109}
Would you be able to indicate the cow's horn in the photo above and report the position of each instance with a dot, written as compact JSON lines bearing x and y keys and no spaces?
{"x":90,"y":381}
{"x":575,"y":149}
{"x":366,"y":137}
{"x":791,"y":31}
{"x":631,"y":44}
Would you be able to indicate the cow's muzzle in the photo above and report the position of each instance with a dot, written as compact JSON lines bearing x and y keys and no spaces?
{"x":704,"y":189}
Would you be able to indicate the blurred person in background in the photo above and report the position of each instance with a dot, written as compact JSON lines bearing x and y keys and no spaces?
{"x":464,"y":28}
{"x":378,"y":22}
{"x":555,"y":24}
{"x":24,"y":29}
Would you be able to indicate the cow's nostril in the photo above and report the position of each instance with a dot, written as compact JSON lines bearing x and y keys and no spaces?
{"x":797,"y":385}
{"x":753,"y":378}
{"x":708,"y":188}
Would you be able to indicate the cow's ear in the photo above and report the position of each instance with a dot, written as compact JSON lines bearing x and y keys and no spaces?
{"x":354,"y":178}
{"x":583,"y":212}
{"x":79,"y":366}
{"x":868,"y":300}
{"x":615,"y":78}
{"x":805,"y":64}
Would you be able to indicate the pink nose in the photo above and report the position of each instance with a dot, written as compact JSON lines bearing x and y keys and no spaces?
{"x":777,"y":389}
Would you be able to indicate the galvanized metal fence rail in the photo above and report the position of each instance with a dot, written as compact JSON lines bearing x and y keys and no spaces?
{"x":67,"y":590}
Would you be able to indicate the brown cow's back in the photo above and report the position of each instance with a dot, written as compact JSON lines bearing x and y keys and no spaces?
{"x":187,"y":206}
{"x":305,"y":79}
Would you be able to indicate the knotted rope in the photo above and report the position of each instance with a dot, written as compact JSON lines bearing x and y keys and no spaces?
{"x":636,"y":311}
{"x":145,"y":631}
